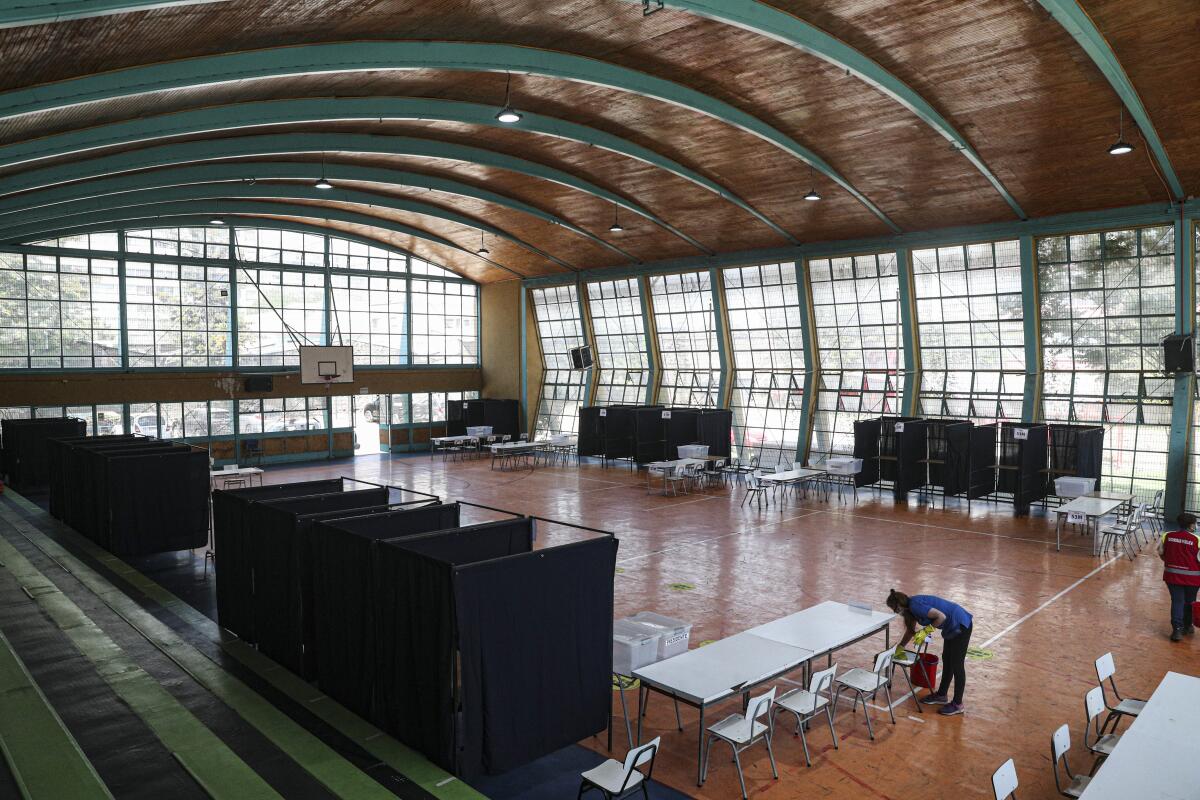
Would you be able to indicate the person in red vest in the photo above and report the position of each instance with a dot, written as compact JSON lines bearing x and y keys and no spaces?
{"x":1180,"y":552}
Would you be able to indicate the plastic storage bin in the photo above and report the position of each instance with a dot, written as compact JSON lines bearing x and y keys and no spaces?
{"x":693,"y":451}
{"x":1070,"y":486}
{"x":843,"y":465}
{"x":479,"y":430}
{"x":674,"y":634}
{"x":634,"y":646}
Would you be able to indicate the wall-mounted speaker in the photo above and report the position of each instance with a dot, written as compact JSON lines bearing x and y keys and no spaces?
{"x":259,"y":383}
{"x":581,"y":357}
{"x":1177,"y":353}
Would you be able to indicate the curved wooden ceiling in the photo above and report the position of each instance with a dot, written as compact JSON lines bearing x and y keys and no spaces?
{"x":993,"y":109}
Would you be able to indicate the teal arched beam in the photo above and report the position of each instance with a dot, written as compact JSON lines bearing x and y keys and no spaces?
{"x":1076,"y":22}
{"x":152,"y":213}
{"x":290,"y":143}
{"x":14,"y":207}
{"x":781,"y":26}
{"x":391,"y":55}
{"x":221,"y":191}
{"x":281,"y":112}
{"x":42,"y":12}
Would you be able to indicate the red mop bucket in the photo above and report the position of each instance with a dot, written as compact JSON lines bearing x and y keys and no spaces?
{"x":924,"y":672}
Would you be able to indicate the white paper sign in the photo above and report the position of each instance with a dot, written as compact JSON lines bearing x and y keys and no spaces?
{"x":899,"y":427}
{"x":604,"y":412}
{"x":1020,"y":434}
{"x":465,"y":404}
{"x":1076,"y":517}
{"x":666,"y":415}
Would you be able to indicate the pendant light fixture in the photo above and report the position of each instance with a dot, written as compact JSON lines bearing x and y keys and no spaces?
{"x":812,"y":193}
{"x":508,"y":115}
{"x":322,"y":183}
{"x":216,"y":221}
{"x":482,"y":251}
{"x":616,"y":226}
{"x":1121,"y":147}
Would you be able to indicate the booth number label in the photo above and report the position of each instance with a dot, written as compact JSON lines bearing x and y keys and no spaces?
{"x":466,"y":405}
{"x":604,"y":412}
{"x":666,"y":415}
{"x":1020,"y":434}
{"x":1075,"y":517}
{"x":899,"y":427}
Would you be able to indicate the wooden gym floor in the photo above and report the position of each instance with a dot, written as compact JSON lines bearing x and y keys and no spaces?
{"x":1043,"y":615}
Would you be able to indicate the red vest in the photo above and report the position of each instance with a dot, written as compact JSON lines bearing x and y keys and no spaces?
{"x":1181,"y":557}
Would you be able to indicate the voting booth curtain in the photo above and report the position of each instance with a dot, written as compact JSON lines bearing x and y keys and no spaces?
{"x":25,"y":456}
{"x":714,"y":428}
{"x":502,"y":416}
{"x":590,"y":442}
{"x":909,"y":442}
{"x":130,"y":495}
{"x":1075,"y":450}
{"x":1021,"y":469}
{"x":866,"y":447}
{"x":649,"y":435}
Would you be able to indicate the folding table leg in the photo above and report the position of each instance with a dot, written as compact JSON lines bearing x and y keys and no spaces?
{"x":699,"y":749}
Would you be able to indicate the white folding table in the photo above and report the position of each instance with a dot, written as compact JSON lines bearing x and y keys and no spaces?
{"x":663,"y":466}
{"x":1090,"y":509}
{"x":446,"y":441}
{"x":736,"y":664}
{"x":791,"y":476}
{"x":223,"y":475}
{"x":1158,"y":757}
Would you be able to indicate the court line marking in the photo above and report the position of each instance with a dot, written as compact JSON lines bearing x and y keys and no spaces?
{"x":1044,"y":605}
{"x":955,"y":530}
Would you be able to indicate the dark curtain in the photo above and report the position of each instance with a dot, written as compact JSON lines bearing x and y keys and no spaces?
{"x":1090,"y":454}
{"x":617,"y":427}
{"x":456,"y":418}
{"x":715,"y":429}
{"x":911,"y":455}
{"x":983,"y":461}
{"x":234,"y":589}
{"x":590,"y":442}
{"x":504,"y":416}
{"x":280,"y":568}
{"x":26,"y":460}
{"x":866,"y":447}
{"x":157,"y":501}
{"x":951,"y":441}
{"x":682,"y":428}
{"x":649,"y":434}
{"x":535,"y":648}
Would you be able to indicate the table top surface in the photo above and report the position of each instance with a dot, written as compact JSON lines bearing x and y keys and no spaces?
{"x":1090,"y":506}
{"x":824,"y":627}
{"x":1158,"y":757}
{"x":679,"y":462}
{"x":462,"y":438}
{"x":230,"y":473}
{"x":791,"y":475}
{"x":723,"y":668}
{"x":1124,"y":497}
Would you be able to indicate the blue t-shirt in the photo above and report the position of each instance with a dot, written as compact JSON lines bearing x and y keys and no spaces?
{"x":957,"y":618}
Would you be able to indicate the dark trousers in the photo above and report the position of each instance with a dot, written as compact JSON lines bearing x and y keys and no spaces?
{"x":1182,"y":598}
{"x":954,"y":664}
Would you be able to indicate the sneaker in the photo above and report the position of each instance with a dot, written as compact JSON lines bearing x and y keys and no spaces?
{"x":1177,"y":634}
{"x":934,"y":700}
{"x":951,"y":709}
{"x":1188,"y":630}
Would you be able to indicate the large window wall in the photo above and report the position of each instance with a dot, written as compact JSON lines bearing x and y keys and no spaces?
{"x":686,"y":326}
{"x":201,"y":297}
{"x":970,"y":328}
{"x":1107,"y":300}
{"x":620,"y":335}
{"x":560,"y":329}
{"x":856,"y":309}
{"x":768,"y":360}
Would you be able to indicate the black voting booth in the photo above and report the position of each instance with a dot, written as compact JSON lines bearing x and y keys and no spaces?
{"x":892,"y":449}
{"x":650,"y":435}
{"x":344,"y":598}
{"x":1074,"y":451}
{"x":590,"y":443}
{"x":492,"y":654}
{"x":969,"y":467}
{"x":131,"y":495}
{"x":659,"y":431}
{"x":503,"y":416}
{"x":281,"y":567}
{"x":1021,"y":464}
{"x":26,"y":458}
{"x":235,"y":590}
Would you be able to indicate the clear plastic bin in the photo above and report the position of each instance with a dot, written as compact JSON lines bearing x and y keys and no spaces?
{"x":693,"y":451}
{"x":674,"y":633}
{"x":839,"y":465}
{"x":634,"y":646}
{"x":1071,"y":486}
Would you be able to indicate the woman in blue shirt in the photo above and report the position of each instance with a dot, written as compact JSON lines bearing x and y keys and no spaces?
{"x":955,"y":624}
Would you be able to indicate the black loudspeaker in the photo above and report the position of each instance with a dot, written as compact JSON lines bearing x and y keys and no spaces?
{"x":259,"y":383}
{"x":581,"y":357}
{"x":1177,"y":353}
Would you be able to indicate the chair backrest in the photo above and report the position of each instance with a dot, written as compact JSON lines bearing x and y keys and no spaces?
{"x":883,"y":661}
{"x":1139,"y":513}
{"x":507,"y":437}
{"x":1156,"y":503}
{"x":760,"y":705}
{"x":524,"y":437}
{"x":1004,"y":780}
{"x":781,"y":468}
{"x":1105,"y":668}
{"x":640,"y":755}
{"x":1093,"y":703}
{"x":1060,"y":742}
{"x":719,"y":464}
{"x":797,"y":465}
{"x":753,"y":461}
{"x":822,"y":681}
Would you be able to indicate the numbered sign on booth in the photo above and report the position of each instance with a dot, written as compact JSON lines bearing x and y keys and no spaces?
{"x":1076,"y":517}
{"x":899,"y":427}
{"x":666,"y":415}
{"x":604,"y":412}
{"x":1020,"y":434}
{"x":465,"y":406}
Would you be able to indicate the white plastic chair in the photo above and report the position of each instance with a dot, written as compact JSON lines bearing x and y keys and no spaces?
{"x":618,"y":779}
{"x":1123,"y":533}
{"x":1004,"y":781}
{"x":864,"y":683}
{"x":1126,"y":707}
{"x":1060,"y":743}
{"x":754,"y":488}
{"x":740,"y":731}
{"x":912,"y":659}
{"x":1093,"y":703}
{"x":805,"y":704}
